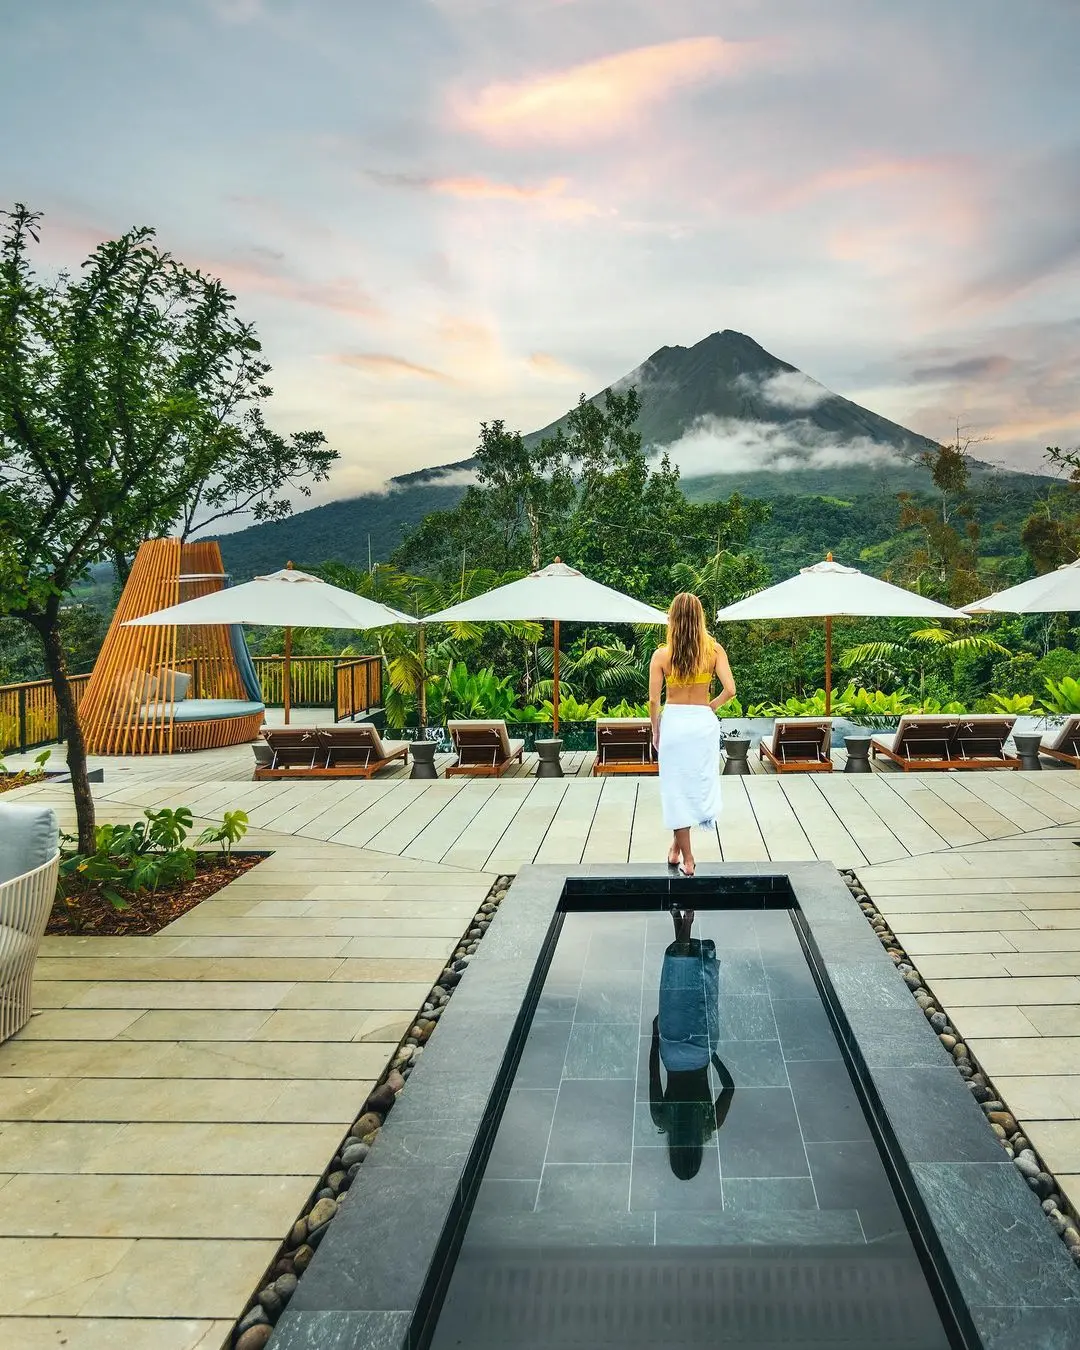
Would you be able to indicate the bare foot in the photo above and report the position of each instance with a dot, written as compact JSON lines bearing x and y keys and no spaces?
{"x":687,"y":867}
{"x":673,"y":857}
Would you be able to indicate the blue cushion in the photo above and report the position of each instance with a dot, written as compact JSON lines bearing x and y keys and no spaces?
{"x":29,"y":838}
{"x":200,"y":710}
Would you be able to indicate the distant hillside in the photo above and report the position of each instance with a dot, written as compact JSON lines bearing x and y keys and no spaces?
{"x":723,"y":404}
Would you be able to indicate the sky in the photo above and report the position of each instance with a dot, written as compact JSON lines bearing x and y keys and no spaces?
{"x":439,"y":212}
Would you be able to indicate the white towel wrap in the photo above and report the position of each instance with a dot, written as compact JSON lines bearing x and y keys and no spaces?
{"x":689,"y":757}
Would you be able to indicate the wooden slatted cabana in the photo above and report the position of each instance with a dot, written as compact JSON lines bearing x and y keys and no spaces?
{"x":134,"y":703}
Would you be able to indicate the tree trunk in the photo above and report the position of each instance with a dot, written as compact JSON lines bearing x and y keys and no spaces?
{"x":122,"y":566}
{"x":56,"y":664}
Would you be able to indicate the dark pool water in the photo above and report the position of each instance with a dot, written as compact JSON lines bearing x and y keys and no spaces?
{"x":683,"y":1160}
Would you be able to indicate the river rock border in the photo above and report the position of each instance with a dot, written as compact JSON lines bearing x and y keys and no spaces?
{"x":1060,"y":1214}
{"x":254,"y":1329}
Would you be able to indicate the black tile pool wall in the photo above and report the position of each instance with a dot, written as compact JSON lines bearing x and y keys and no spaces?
{"x":787,"y":1231}
{"x":379,"y":1277}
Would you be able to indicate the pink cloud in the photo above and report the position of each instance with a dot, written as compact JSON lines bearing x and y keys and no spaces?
{"x":598,"y":97}
{"x":849,"y":178}
{"x":340,"y":295}
{"x":549,"y":367}
{"x":552,"y":196}
{"x":394,"y":367}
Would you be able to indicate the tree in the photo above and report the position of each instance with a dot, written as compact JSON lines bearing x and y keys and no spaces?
{"x":926,"y":646}
{"x":945,"y":560}
{"x":130,"y":400}
{"x":1051,"y":534}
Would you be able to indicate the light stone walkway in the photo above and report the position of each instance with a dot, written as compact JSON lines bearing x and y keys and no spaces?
{"x":167,"y":1113}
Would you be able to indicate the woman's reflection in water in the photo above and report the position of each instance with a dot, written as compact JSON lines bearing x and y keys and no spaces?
{"x":684,"y":1037}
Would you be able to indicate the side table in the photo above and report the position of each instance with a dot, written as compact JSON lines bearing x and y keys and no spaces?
{"x":736,"y":749}
{"x":1027,"y":747}
{"x":549,"y":763}
{"x":858,"y":754}
{"x":423,"y":759}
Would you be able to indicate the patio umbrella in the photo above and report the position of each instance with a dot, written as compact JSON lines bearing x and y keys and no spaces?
{"x":558,"y":593}
{"x":827,"y":591}
{"x":1056,"y":592}
{"x":287,"y":599}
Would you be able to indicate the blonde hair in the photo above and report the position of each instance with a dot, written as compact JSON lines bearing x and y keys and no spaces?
{"x":688,"y":642}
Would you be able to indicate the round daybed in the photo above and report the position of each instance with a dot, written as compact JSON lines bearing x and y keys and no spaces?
{"x":159,"y":689}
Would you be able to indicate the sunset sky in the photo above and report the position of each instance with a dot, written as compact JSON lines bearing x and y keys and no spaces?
{"x":443,"y":211}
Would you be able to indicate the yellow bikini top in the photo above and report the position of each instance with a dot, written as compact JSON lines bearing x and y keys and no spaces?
{"x":702,"y":677}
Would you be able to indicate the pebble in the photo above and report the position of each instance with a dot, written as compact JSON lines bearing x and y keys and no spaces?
{"x":381,"y":1100}
{"x":1004,"y":1119}
{"x":913,"y":979}
{"x":1058,"y":1222}
{"x":323,"y":1212}
{"x":271,"y":1301}
{"x":960,"y":1051}
{"x":1042,"y":1185}
{"x":302,"y":1258}
{"x":298,"y":1234}
{"x":1071,"y":1236}
{"x":317,"y":1234}
{"x":369,"y":1121}
{"x":946,"y":1040}
{"x":999,"y":1132}
{"x":335,"y":1181}
{"x":940,"y":1022}
{"x":255,"y":1338}
{"x":286,"y":1286}
{"x":1025,"y":1163}
{"x":992,"y":1104}
{"x":964,"y":1068}
{"x":255,"y":1317}
{"x":352,"y":1154}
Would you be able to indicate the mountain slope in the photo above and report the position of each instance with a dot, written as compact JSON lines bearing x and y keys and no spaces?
{"x":736,"y":417}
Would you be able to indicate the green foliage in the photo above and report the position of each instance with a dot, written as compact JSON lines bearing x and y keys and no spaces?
{"x":457,"y":693}
{"x":1015,"y":705}
{"x":232,"y":828}
{"x":571,"y":710}
{"x":1062,"y":696}
{"x":16,"y":778}
{"x":147,"y":856}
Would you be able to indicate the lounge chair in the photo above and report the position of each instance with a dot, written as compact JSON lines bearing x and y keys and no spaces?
{"x":624,"y":745}
{"x":29,"y":862}
{"x":1064,"y":744}
{"x":354,"y":751}
{"x":799,"y":745}
{"x":972,"y":741}
{"x":358,"y":751}
{"x":484,"y":749}
{"x":292,"y":748}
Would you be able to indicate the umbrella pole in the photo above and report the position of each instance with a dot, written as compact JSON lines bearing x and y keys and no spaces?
{"x":422,"y":701}
{"x":555,"y":690}
{"x":828,"y":665}
{"x":286,"y":674}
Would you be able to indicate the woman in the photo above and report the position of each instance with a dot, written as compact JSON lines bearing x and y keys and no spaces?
{"x":687,"y":737}
{"x":685,"y":1033}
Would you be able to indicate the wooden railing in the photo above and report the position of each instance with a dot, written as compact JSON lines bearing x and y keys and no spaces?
{"x":353,"y":685}
{"x":358,"y":686}
{"x":28,"y":713}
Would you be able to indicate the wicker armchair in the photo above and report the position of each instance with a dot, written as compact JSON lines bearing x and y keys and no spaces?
{"x":29,"y":862}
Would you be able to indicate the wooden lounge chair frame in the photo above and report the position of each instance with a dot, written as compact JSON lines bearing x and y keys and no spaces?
{"x":484,"y":749}
{"x":953,"y":742}
{"x":811,"y":736}
{"x":359,"y":745}
{"x":1066,"y":744}
{"x":624,"y":745}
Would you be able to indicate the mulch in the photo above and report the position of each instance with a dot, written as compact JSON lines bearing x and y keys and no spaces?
{"x":88,"y":913}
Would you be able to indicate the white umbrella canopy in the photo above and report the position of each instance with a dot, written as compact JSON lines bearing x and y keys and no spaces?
{"x":829,"y":590}
{"x":286,"y":599}
{"x":558,"y":593}
{"x":1055,"y":592}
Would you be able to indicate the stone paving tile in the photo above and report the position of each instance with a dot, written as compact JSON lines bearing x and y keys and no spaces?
{"x":1022,"y":1055}
{"x":58,"y":1024}
{"x":1048,"y":989}
{"x":194,"y":994}
{"x":336,"y":1024}
{"x":54,"y":1278}
{"x":99,"y":1333}
{"x":995,"y":1021}
{"x":1042,"y":1096}
{"x":258,"y":1060}
{"x":1053,"y":1021}
{"x":1058,"y":1143}
{"x":171,"y":1279}
{"x":195,"y":1024}
{"x":78,"y":1205}
{"x":378,"y":994}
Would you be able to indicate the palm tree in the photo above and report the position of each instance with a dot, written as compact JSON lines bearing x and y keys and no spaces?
{"x":411,"y":659}
{"x":920,"y":649}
